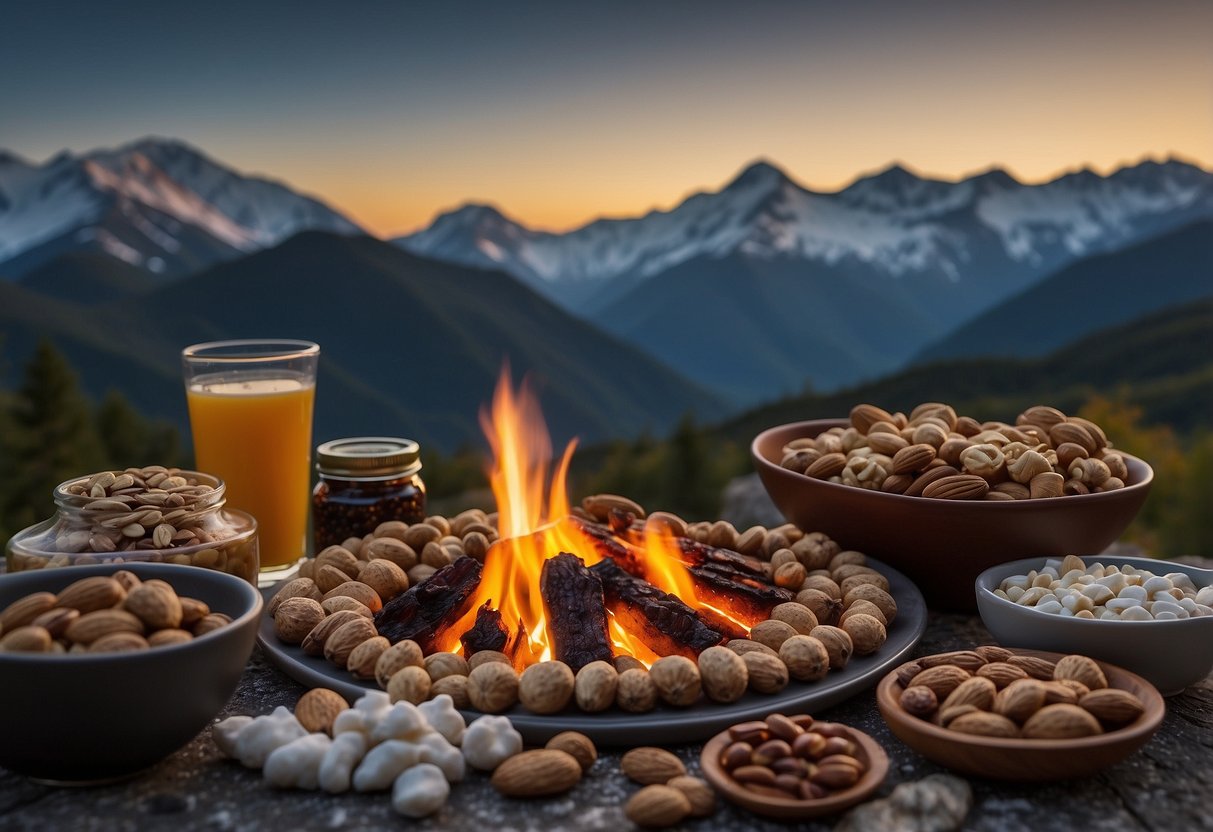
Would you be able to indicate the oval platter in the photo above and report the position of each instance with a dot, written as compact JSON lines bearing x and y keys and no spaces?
{"x":664,"y":724}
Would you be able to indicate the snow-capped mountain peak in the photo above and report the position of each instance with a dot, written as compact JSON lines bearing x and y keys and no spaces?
{"x":158,"y":200}
{"x":892,"y":221}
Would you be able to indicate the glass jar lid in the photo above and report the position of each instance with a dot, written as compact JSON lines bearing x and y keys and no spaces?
{"x":369,"y":456}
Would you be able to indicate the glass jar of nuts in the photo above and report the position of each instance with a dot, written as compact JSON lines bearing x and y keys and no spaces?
{"x":365,"y":481}
{"x":151,"y":514}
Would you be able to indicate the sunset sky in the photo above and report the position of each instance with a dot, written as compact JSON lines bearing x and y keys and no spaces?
{"x":561,"y":112}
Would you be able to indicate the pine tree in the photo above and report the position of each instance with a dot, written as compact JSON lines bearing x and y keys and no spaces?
{"x":52,"y":438}
{"x":128,"y":439}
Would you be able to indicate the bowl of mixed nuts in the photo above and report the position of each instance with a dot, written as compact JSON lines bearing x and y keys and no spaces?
{"x":1022,"y":715}
{"x":1152,"y":617}
{"x":942,"y":496}
{"x":107,"y":669}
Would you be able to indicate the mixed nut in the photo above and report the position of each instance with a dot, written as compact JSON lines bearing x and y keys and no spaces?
{"x":933,"y":452}
{"x":793,"y":756}
{"x":1118,"y":593}
{"x":842,"y":607}
{"x":990,"y":691}
{"x":101,"y":614}
{"x":151,"y":514}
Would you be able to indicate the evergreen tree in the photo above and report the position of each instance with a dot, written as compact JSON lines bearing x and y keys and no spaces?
{"x":128,"y":439}
{"x":52,"y":437}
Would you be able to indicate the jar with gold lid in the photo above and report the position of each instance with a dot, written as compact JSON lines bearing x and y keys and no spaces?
{"x":365,"y":481}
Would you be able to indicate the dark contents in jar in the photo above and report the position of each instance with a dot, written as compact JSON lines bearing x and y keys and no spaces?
{"x":342,"y":508}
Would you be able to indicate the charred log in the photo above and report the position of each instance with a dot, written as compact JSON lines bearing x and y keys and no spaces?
{"x":750,"y":599}
{"x":488,"y":633}
{"x":660,"y":620}
{"x":576,"y":611}
{"x":695,"y":553}
{"x":609,"y":547}
{"x":431,"y":606}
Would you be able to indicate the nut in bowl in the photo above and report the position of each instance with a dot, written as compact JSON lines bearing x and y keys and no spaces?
{"x":794,"y":768}
{"x":102,"y":714}
{"x":1022,"y":715}
{"x":1170,"y":652}
{"x":944,"y":538}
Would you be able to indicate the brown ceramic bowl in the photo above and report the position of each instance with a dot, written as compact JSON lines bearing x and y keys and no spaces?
{"x":92,"y":718}
{"x":1021,"y":760}
{"x":789,"y":808}
{"x":943,"y":545}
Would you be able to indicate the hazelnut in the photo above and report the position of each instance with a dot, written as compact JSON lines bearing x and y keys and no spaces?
{"x":837,"y":643}
{"x":866,"y":632}
{"x":440,"y":665}
{"x":806,"y":658}
{"x":594,"y":686}
{"x":767,"y":674}
{"x":800,"y":617}
{"x":409,"y":684}
{"x":676,"y":679}
{"x":723,"y":674}
{"x":635,"y":691}
{"x":492,"y":687}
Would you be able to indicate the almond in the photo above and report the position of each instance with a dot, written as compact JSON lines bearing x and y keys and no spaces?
{"x":119,"y":643}
{"x":317,"y":709}
{"x":27,"y":639}
{"x":163,"y":638}
{"x":89,"y":594}
{"x":969,"y":660}
{"x":578,"y":745}
{"x":1115,"y":707}
{"x":359,"y":592}
{"x":1061,"y":722}
{"x":863,"y":416}
{"x":1019,"y":700}
{"x":976,"y":691}
{"x":343,"y":640}
{"x":647,"y":765}
{"x":329,"y":577}
{"x":155,"y":604}
{"x":600,"y":506}
{"x":56,"y":621}
{"x":984,"y":724}
{"x":829,"y":465}
{"x":701,"y":796}
{"x":386,"y":578}
{"x":657,"y":807}
{"x":957,"y":487}
{"x":297,"y":588}
{"x":1001,"y":673}
{"x":295,"y":618}
{"x":993,"y":653}
{"x":927,"y":477}
{"x":1063,"y":432}
{"x":24,"y":610}
{"x":1081,"y":669}
{"x":193,"y":611}
{"x":941,"y":680}
{"x":313,"y":642}
{"x":1035,"y":667}
{"x":537,"y":773}
{"x":365,"y":656}
{"x":913,"y":458}
{"x":95,"y":625}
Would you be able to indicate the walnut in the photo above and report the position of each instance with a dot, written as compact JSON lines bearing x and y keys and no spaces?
{"x":492,"y":687}
{"x":676,"y":679}
{"x":546,"y":687}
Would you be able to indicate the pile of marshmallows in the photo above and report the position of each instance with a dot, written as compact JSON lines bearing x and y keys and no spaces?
{"x":1070,"y":588}
{"x":416,"y":750}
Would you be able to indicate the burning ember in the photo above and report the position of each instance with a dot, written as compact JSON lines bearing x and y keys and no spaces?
{"x":577,"y":585}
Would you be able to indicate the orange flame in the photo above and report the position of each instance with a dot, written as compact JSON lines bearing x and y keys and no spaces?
{"x":535,"y":527}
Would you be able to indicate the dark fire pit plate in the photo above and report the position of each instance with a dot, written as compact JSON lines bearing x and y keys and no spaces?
{"x":664,"y":724}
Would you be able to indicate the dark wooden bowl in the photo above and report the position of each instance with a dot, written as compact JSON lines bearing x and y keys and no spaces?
{"x":943,"y":545}
{"x":869,"y":752}
{"x":1023,"y":760}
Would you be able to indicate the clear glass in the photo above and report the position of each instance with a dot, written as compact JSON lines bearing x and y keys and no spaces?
{"x":223,"y":539}
{"x":250,"y":405}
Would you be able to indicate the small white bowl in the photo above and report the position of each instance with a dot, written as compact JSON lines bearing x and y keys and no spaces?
{"x":1170,"y":654}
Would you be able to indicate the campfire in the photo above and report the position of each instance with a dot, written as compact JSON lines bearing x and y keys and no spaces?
{"x":577,"y":584}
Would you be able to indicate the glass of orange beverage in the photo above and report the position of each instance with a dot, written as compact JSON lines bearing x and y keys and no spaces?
{"x":250,"y":406}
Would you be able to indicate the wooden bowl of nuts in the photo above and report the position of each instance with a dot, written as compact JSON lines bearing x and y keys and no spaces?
{"x":113,"y":667}
{"x":1151,"y":617}
{"x":793,"y":767}
{"x":1021,"y":715}
{"x":943,"y":537}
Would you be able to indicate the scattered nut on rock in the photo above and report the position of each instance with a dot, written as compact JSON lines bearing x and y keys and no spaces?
{"x":647,"y":765}
{"x":578,"y":745}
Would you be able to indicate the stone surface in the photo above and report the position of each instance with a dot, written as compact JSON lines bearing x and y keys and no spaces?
{"x":1166,"y":786}
{"x":936,"y":803}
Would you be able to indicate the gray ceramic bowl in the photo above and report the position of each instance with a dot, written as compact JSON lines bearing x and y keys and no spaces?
{"x":1169,"y":654}
{"x":90,"y":718}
